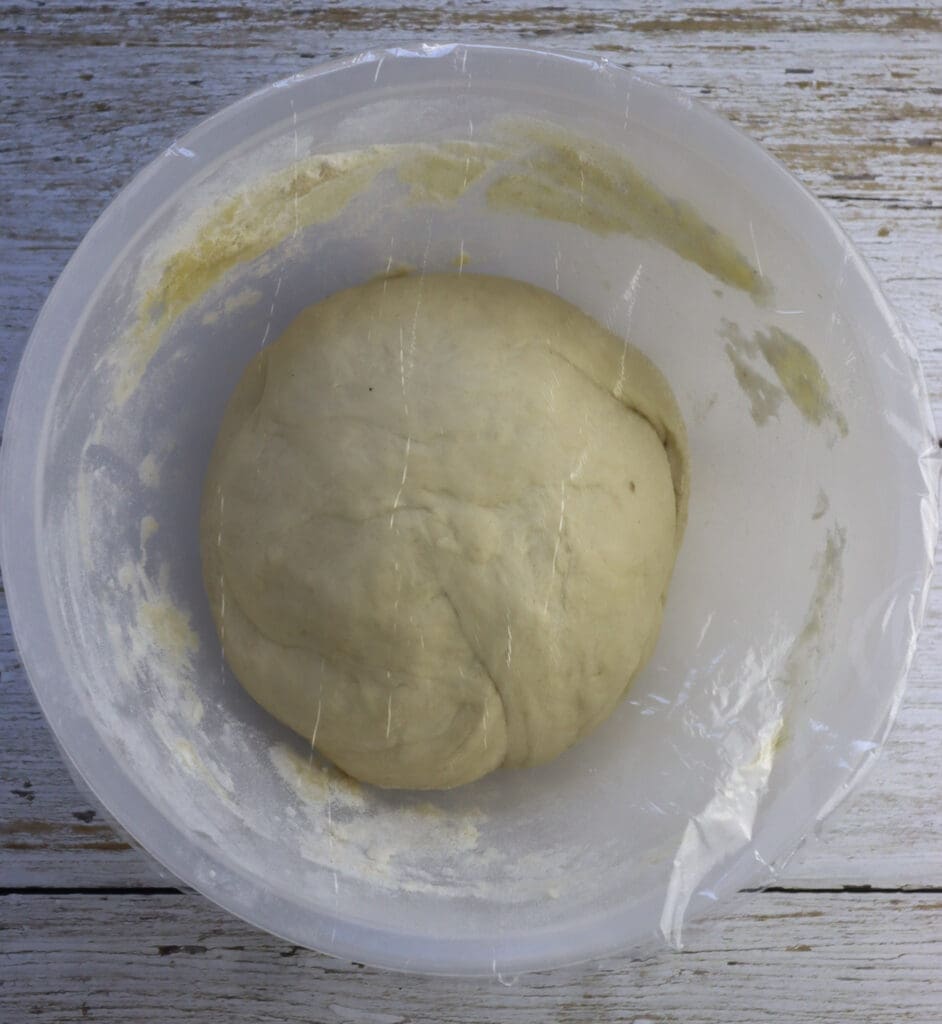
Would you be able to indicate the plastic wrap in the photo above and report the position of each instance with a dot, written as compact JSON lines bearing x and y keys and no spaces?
{"x":797,"y":595}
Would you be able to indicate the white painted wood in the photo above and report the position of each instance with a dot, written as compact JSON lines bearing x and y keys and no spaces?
{"x":821,"y":959}
{"x":850,"y":98}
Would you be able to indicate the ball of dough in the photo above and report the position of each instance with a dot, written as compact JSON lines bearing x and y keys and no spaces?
{"x":439,"y":523}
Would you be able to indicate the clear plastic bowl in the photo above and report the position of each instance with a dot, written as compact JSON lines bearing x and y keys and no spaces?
{"x":792,"y":616}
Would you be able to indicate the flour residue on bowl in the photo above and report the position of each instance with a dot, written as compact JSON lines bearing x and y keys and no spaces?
{"x":187,"y":758}
{"x":816,"y":631}
{"x":160,"y":642}
{"x":802,"y":663}
{"x":799,"y":374}
{"x":802,"y":377}
{"x":169,"y":629}
{"x":408,"y":845}
{"x":243,"y":228}
{"x":445,"y":172}
{"x":236,"y":231}
{"x":560,"y":177}
{"x":148,"y":471}
{"x":534,"y":168}
{"x":462,"y":259}
{"x":149,"y":526}
{"x":242,"y":300}
{"x":765,"y":396}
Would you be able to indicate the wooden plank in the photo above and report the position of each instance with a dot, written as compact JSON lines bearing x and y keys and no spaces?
{"x":820,"y":958}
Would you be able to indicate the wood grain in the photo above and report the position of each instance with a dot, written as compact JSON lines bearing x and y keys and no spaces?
{"x":821,"y":959}
{"x":849,"y":96}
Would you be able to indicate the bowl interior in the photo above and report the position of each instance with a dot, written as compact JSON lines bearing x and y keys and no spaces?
{"x":790,"y":619}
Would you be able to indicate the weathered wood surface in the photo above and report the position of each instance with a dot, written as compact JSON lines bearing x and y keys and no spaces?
{"x":850,"y":97}
{"x":824,"y":959}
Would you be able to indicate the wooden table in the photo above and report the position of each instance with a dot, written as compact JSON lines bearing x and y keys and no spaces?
{"x":850,"y":98}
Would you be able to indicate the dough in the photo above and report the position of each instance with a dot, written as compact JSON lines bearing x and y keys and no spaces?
{"x":439,"y":523}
